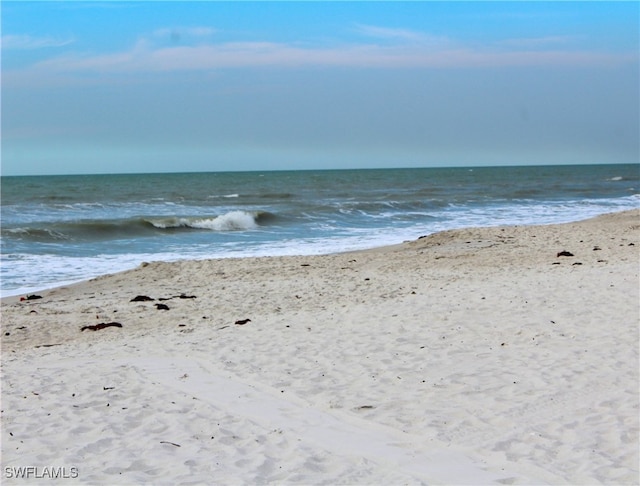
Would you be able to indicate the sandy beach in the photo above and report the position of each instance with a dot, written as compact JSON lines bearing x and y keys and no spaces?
{"x":504,"y":355}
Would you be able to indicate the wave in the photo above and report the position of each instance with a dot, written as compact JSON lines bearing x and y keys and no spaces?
{"x":268,"y":195}
{"x":232,"y":221}
{"x":228,"y":196}
{"x":100,"y":229}
{"x":374,"y":208}
{"x":276,"y":195}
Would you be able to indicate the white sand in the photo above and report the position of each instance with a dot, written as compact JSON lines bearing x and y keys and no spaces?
{"x":467,"y":357}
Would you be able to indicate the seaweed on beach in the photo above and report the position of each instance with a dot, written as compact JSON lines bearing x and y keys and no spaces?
{"x":100,"y":326}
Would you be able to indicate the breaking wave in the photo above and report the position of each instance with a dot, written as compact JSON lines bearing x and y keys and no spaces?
{"x":231,"y":221}
{"x":99,"y":229}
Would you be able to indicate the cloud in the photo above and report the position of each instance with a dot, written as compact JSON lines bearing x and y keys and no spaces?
{"x":192,"y":49}
{"x":31,"y":42}
{"x":181,"y":34}
{"x":538,"y":42}
{"x":405,"y":35}
{"x":268,"y":54}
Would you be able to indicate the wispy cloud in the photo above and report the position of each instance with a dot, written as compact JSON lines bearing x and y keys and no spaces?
{"x":184,"y":34}
{"x":31,"y":42}
{"x":404,"y":35}
{"x":267,"y":54}
{"x":539,"y":42}
{"x":191,"y":49}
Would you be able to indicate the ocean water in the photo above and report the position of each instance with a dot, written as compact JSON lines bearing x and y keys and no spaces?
{"x":61,"y":229}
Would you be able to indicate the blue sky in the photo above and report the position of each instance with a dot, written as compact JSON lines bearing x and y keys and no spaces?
{"x":100,"y":87}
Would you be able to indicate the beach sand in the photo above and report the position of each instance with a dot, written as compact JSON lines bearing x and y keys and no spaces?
{"x":474,"y":356}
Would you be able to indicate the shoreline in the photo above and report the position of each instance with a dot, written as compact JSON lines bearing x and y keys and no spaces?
{"x":477,"y":355}
{"x":38,"y":290}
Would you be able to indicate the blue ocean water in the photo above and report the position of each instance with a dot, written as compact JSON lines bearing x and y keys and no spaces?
{"x":60,"y":229}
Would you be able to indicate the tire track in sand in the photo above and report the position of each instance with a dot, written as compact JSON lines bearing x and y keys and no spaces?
{"x":349,"y":436}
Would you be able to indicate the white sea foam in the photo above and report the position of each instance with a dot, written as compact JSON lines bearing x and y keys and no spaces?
{"x":232,"y":221}
{"x":228,"y":196}
{"x":170,"y":222}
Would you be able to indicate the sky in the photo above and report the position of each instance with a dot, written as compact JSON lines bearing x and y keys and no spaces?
{"x":119,"y":87}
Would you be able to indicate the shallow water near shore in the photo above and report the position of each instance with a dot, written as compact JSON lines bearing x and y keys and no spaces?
{"x":59,"y":229}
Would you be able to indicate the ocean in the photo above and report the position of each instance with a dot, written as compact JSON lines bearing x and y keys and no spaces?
{"x":61,"y":229}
